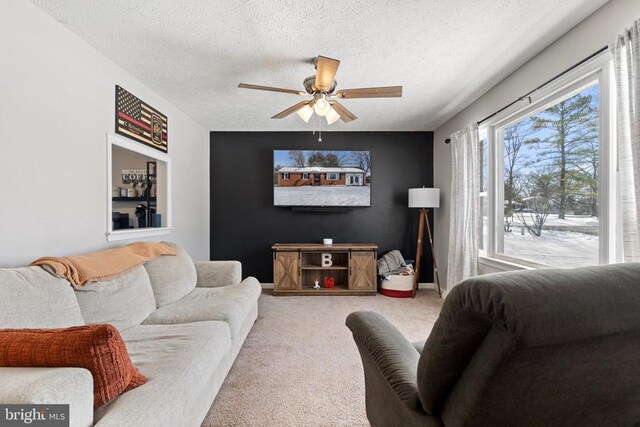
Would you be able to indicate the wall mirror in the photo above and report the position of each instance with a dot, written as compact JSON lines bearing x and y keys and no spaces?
{"x":138,"y":190}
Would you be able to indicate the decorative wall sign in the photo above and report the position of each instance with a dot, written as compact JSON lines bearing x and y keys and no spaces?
{"x":133,"y":176}
{"x":137,"y":120}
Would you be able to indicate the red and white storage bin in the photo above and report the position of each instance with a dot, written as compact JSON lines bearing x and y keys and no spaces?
{"x":397,"y":286}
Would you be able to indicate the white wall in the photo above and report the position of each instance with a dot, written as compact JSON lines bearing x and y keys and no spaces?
{"x":596,"y":31}
{"x":56,"y":106}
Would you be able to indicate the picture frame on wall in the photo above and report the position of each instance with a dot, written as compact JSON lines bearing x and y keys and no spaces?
{"x":137,"y":120}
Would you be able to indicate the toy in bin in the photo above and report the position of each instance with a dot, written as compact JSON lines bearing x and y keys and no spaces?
{"x":397,"y":275}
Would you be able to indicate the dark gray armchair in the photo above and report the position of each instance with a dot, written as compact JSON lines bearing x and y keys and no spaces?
{"x":527,"y":348}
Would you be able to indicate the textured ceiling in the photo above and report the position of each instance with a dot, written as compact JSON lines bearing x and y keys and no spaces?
{"x":444,"y":52}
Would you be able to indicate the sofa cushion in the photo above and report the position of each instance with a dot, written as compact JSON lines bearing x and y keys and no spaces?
{"x":230,"y":304}
{"x":213,"y":274}
{"x":30,"y":297}
{"x":73,"y":386}
{"x":172,"y":277}
{"x":124,"y":301}
{"x":178,"y":361}
{"x":98,"y":348}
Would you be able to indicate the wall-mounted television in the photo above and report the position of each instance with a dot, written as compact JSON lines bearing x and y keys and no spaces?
{"x":316,"y":178}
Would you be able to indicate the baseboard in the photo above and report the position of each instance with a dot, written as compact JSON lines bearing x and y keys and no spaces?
{"x":420,"y":286}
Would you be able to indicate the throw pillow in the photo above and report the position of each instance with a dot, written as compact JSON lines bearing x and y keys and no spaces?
{"x":98,"y":348}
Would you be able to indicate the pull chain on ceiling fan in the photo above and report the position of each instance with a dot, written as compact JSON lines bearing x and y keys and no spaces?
{"x":324,"y":101}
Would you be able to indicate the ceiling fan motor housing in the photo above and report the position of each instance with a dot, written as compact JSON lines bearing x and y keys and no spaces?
{"x":311,"y":88}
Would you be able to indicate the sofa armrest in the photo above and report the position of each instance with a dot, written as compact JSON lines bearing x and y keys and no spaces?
{"x":73,"y":386}
{"x":388,"y":355}
{"x":214,"y":274}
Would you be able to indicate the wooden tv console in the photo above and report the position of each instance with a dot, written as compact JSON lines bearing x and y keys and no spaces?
{"x":296,"y":266}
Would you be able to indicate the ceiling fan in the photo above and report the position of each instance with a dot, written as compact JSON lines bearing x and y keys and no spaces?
{"x":324,"y":101}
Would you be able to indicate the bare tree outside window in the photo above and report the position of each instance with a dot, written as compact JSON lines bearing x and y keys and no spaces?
{"x":537,"y":203}
{"x":515,"y":163}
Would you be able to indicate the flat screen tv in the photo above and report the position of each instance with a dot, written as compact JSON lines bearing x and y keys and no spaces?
{"x":315,"y":178}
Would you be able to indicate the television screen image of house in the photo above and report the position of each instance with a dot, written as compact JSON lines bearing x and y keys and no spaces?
{"x":321,"y":178}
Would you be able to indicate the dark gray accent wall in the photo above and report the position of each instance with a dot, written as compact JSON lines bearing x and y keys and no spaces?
{"x":244,"y":222}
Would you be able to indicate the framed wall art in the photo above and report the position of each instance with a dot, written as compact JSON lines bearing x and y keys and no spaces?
{"x":137,"y":120}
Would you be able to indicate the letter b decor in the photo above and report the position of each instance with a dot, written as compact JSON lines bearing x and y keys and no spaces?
{"x":326,"y":260}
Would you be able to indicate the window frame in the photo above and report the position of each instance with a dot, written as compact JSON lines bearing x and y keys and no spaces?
{"x":482,"y":136}
{"x":286,"y":176}
{"x":305,"y":175}
{"x":597,"y":70}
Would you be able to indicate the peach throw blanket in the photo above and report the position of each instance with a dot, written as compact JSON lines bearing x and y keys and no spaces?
{"x":103,"y":265}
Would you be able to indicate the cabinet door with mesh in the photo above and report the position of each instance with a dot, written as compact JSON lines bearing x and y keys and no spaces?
{"x":362,"y":270}
{"x":286,"y":271}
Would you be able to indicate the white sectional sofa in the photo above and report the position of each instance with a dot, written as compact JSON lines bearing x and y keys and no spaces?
{"x":183,"y":324}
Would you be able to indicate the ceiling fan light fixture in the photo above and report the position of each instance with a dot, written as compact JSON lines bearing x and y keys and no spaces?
{"x":332,"y":116}
{"x":305,"y":113}
{"x":324,"y":99}
{"x":322,"y":107}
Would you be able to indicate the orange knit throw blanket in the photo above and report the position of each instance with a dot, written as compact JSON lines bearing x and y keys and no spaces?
{"x":103,"y":265}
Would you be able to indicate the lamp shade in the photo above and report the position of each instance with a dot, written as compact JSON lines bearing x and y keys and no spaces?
{"x":424,"y":197}
{"x":322,"y":107}
{"x":305,"y":113}
{"x":332,"y":116}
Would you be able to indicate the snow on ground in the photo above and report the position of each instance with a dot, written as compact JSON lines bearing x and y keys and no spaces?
{"x":557,"y":248}
{"x":564,"y":249}
{"x":322,"y":196}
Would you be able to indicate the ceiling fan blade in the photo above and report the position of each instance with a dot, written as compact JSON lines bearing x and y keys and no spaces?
{"x":292,"y":109}
{"x":346,"y":115}
{"x":326,"y":69}
{"x":272,"y":89}
{"x":371,"y":92}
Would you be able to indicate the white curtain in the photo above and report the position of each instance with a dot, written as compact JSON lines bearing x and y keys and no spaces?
{"x":626,"y":52}
{"x":464,"y":206}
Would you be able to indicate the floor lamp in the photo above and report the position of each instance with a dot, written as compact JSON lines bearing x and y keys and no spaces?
{"x":424,"y":198}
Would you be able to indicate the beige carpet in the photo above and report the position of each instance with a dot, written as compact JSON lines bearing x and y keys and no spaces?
{"x":299,"y":365}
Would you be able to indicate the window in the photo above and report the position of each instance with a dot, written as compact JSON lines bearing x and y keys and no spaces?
{"x":138,"y":190}
{"x":333,"y":176}
{"x":547,"y":185}
{"x":285,"y":175}
{"x":305,"y":175}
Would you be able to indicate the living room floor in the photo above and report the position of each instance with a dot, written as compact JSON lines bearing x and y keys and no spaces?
{"x":300,"y":366}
